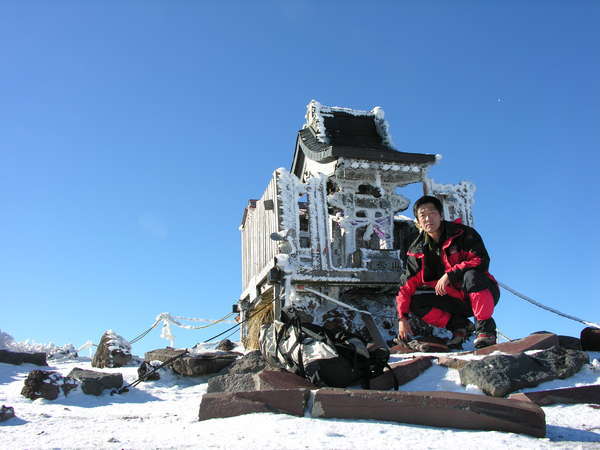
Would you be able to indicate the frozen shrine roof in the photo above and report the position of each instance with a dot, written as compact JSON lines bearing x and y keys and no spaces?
{"x":333,"y":132}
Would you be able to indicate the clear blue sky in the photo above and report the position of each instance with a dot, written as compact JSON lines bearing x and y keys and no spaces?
{"x":132,"y":134}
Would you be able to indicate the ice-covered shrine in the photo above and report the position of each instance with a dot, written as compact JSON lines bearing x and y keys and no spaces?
{"x":326,"y":240}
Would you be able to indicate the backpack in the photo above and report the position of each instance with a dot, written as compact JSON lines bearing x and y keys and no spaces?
{"x":324,"y":357}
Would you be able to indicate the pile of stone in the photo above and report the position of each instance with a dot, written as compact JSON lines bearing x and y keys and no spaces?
{"x":113,"y":351}
{"x":49,"y":384}
{"x":250,"y":385}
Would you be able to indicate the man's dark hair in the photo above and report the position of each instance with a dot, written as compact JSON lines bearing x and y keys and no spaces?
{"x":428,"y":199}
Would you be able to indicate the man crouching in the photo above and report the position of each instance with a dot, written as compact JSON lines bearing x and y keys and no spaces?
{"x":446,"y":279}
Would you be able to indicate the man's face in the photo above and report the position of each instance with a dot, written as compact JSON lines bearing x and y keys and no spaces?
{"x":429,"y":218}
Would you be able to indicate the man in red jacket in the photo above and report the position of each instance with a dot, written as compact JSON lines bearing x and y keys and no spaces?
{"x":446,"y":279}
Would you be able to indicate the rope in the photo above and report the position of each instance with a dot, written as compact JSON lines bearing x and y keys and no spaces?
{"x":547,"y":308}
{"x":144,"y":333}
{"x":211,"y":322}
{"x":186,"y":352}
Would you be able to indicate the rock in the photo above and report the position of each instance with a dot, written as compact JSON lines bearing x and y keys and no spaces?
{"x":499,"y":375}
{"x":240,"y":376}
{"x":225,"y":345}
{"x":229,"y":404}
{"x":113,"y":351}
{"x":93,"y":382}
{"x":452,"y":363}
{"x":570,"y":342}
{"x":405,"y":371}
{"x":18,"y":358}
{"x":532,"y":342}
{"x":193,"y":365}
{"x":46,"y":384}
{"x":281,"y":379}
{"x":251,"y":362}
{"x":580,"y":394}
{"x":6,"y":412}
{"x":440,"y":409}
{"x":590,"y":339}
{"x":233,"y":382}
{"x":145,"y":371}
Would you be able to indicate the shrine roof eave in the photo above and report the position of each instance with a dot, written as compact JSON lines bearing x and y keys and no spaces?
{"x":324,"y":153}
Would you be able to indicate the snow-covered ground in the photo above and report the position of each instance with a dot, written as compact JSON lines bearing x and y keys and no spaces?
{"x":164,"y":414}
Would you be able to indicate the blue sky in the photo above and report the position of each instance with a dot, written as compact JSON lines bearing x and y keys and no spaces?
{"x":133,"y":133}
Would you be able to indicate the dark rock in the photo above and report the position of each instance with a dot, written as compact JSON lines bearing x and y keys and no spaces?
{"x":440,"y":409}
{"x":452,"y":363}
{"x":112,"y":351}
{"x":532,"y":342}
{"x":281,"y":379}
{"x":225,"y":345}
{"x":499,"y":375}
{"x":241,"y":375}
{"x":146,"y":372}
{"x":17,"y":358}
{"x":6,"y":412}
{"x":580,"y":394}
{"x":93,"y":382}
{"x":46,"y":384}
{"x":570,"y":342}
{"x":229,"y":404}
{"x":193,"y":365}
{"x":251,"y":362}
{"x":233,"y":382}
{"x":590,"y":339}
{"x":405,"y":371}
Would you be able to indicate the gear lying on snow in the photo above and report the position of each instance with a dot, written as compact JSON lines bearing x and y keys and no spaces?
{"x":324,"y":357}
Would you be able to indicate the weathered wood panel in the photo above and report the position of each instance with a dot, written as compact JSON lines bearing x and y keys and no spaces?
{"x":258,"y":250}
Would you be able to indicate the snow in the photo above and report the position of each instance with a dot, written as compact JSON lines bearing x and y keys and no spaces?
{"x":164,"y":414}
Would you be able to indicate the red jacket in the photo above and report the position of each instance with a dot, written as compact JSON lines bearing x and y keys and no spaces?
{"x":462,"y":250}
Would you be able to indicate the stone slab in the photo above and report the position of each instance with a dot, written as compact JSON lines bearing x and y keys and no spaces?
{"x":193,"y":365}
{"x":94,"y":382}
{"x":405,"y":371}
{"x":281,"y":379}
{"x":531,"y":342}
{"x":439,"y":408}
{"x":580,"y":394}
{"x":230,"y":404}
{"x":18,"y":358}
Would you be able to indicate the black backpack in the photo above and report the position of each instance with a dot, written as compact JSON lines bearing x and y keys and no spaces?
{"x":324,"y":357}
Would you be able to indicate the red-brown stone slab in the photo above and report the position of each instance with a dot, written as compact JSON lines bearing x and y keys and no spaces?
{"x":230,"y":404}
{"x":281,"y":379}
{"x":531,"y":342}
{"x":580,"y":394}
{"x":405,"y":371}
{"x":452,"y":363}
{"x":439,"y":409}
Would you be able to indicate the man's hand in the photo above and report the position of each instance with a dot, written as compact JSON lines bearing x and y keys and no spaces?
{"x":404,"y":330}
{"x":440,"y":287}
